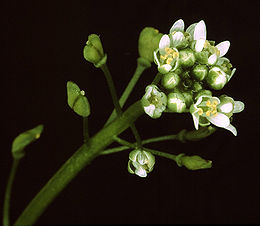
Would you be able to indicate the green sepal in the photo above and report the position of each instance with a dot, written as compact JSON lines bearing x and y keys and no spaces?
{"x":24,"y":139}
{"x":77,"y":100}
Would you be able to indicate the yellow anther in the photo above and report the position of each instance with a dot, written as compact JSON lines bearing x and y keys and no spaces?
{"x":175,"y":54}
{"x":214,"y":112}
{"x":214,"y":103}
{"x":208,"y":113}
{"x":169,"y":60}
{"x":208,"y":104}
{"x":200,"y":112}
{"x":168,"y":50}
{"x":163,"y":57}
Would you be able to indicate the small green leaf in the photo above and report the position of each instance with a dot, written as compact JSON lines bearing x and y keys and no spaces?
{"x":77,"y":100}
{"x":24,"y":139}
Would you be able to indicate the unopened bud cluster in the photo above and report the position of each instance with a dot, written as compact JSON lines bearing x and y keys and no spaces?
{"x":192,"y":67}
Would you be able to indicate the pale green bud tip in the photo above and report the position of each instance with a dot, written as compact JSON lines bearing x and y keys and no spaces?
{"x":170,"y":80}
{"x":176,"y":102}
{"x":216,"y":78}
{"x":93,"y":51}
{"x":148,"y":42}
{"x":199,"y":72}
{"x":187,"y":58}
{"x":154,"y":102}
{"x":194,"y":162}
{"x":24,"y":139}
{"x":77,"y":100}
{"x":140,"y":162}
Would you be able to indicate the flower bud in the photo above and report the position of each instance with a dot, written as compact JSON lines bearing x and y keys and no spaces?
{"x":77,"y":100}
{"x":140,"y":162}
{"x":199,"y":72}
{"x":176,"y":102}
{"x":187,"y":57}
{"x":196,"y":86}
{"x":194,"y":162}
{"x":216,"y":78}
{"x":24,"y":139}
{"x":170,"y":80}
{"x":93,"y":51}
{"x":202,"y":92}
{"x":188,"y":98}
{"x":148,"y":42}
{"x":154,"y":102}
{"x":226,"y":105}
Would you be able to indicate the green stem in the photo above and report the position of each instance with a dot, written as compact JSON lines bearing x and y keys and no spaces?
{"x":116,"y":103}
{"x":85,"y":130}
{"x":83,"y":156}
{"x":6,"y":215}
{"x":157,"y":78}
{"x":114,"y":150}
{"x":138,"y":72}
{"x":161,"y":154}
{"x":112,"y":89}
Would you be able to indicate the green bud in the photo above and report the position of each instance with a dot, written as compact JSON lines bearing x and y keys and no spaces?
{"x":24,"y":139}
{"x":140,"y":162}
{"x":202,"y":57}
{"x":176,"y":102}
{"x":170,"y":80}
{"x":148,"y":42}
{"x":226,"y":105}
{"x":194,"y":162}
{"x":202,"y":92}
{"x":77,"y":100}
{"x":188,"y":98}
{"x":93,"y":51}
{"x":216,"y":78}
{"x":187,"y":57}
{"x":196,"y":86}
{"x":199,"y":72}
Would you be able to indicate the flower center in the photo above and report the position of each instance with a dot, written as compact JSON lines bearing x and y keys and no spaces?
{"x":210,"y":109}
{"x":169,"y":56}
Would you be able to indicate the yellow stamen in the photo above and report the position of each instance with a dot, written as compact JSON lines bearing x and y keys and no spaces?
{"x":208,"y":113}
{"x":200,"y":112}
{"x":169,"y":60}
{"x":208,"y":104}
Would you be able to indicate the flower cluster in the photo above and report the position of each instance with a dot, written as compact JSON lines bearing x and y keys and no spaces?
{"x":192,"y":67}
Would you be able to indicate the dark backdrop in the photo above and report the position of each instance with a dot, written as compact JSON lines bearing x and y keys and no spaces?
{"x":43,"y":43}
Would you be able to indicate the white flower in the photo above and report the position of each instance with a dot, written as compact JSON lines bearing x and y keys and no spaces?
{"x":166,"y":57}
{"x":140,"y":162}
{"x":217,"y":111}
{"x":154,"y":102}
{"x":199,"y":34}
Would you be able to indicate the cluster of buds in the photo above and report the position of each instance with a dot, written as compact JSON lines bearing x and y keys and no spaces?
{"x":192,"y":67}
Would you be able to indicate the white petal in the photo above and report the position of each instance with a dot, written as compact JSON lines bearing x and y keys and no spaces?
{"x":164,"y":42}
{"x":140,"y":172}
{"x":177,"y":38}
{"x":212,"y":59}
{"x":195,"y":118}
{"x":223,"y":47}
{"x":199,"y":45}
{"x":232,"y":129}
{"x":232,"y":73}
{"x":191,"y":29}
{"x":156,"y":61}
{"x":200,"y":31}
{"x":219,"y":120}
{"x":149,"y":110}
{"x":226,"y":108}
{"x":177,"y":26}
{"x":238,"y":106}
{"x":165,"y":68}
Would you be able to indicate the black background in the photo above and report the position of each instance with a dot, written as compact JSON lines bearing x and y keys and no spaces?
{"x":43,"y":43}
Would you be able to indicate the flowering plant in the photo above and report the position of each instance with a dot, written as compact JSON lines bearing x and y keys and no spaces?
{"x":190,"y":69}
